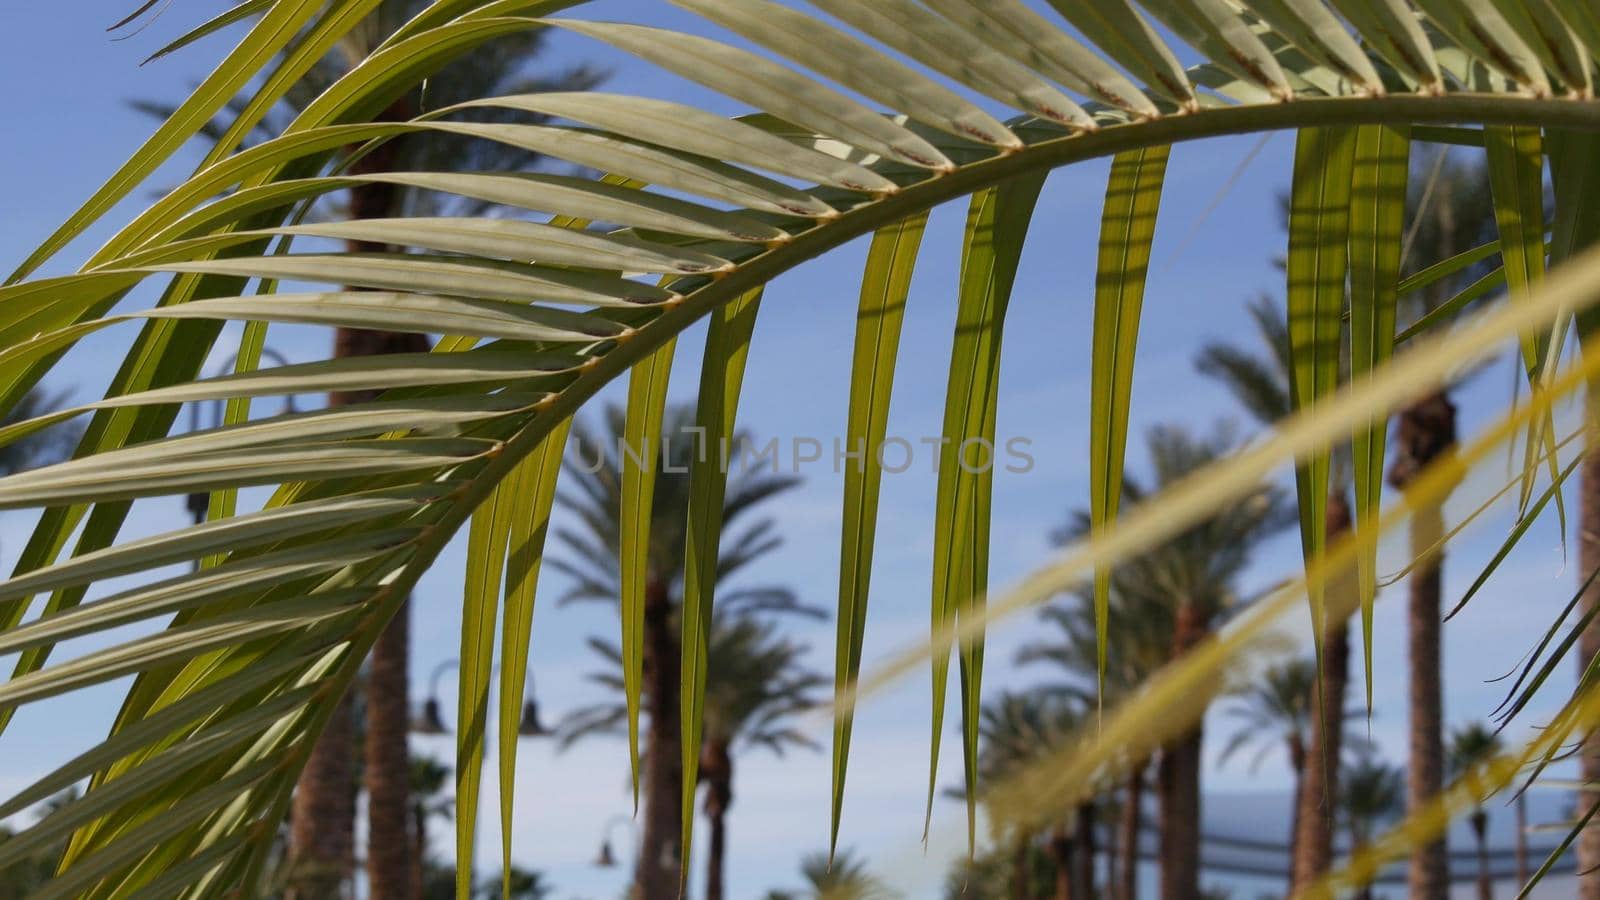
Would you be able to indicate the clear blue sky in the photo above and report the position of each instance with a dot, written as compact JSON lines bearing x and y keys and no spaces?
{"x":68,"y":126}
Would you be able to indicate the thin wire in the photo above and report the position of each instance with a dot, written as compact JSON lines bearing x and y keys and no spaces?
{"x":1422,"y":208}
{"x":1216,"y":200}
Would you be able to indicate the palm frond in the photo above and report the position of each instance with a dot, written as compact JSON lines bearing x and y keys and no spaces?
{"x":817,"y":165}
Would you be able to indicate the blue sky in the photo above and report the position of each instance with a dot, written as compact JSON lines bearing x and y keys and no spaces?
{"x":68,"y":126}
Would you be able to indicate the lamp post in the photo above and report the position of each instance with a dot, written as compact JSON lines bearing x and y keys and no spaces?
{"x":606,"y":859}
{"x":429,"y":720}
{"x":199,"y":502}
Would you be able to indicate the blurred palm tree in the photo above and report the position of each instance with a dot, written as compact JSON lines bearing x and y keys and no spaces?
{"x":845,"y":878}
{"x":520,"y":884}
{"x":1138,"y":645}
{"x":1273,"y":711}
{"x":322,"y":832}
{"x":24,"y":877}
{"x":1195,"y":576}
{"x":41,"y":447}
{"x":1370,"y":795}
{"x":592,"y":491}
{"x":1470,"y":746}
{"x":756,"y":684}
{"x":1259,"y":379}
{"x":1017,"y":730}
{"x":1449,"y":211}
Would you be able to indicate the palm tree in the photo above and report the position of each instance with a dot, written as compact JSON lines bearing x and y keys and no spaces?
{"x":521,"y":884}
{"x":25,"y":877}
{"x":1013,"y":731}
{"x":756,"y":683}
{"x":1139,"y":645}
{"x":1018,"y":729}
{"x":1275,"y":711}
{"x":39,"y":448}
{"x":843,"y":878}
{"x":467,"y":427}
{"x":1370,"y":795}
{"x":1458,"y":219}
{"x":1588,"y":650}
{"x":1194,"y":574}
{"x":322,"y":833}
{"x":593,"y":494}
{"x":1472,"y":745}
{"x":1261,"y":384}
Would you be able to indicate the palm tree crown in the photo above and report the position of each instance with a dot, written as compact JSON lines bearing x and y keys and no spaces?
{"x":592,"y":491}
{"x":756,"y":683}
{"x":1198,"y":569}
{"x":1275,"y":710}
{"x":1371,"y":793}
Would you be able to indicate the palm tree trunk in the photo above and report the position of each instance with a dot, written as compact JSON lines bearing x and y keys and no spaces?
{"x":1588,"y":648}
{"x":716,"y":767}
{"x":1358,"y":843}
{"x":324,"y":808}
{"x":656,"y":869}
{"x":1427,"y":431}
{"x":388,"y":757}
{"x":1178,"y":780}
{"x":1132,"y":823}
{"x":1110,"y":856}
{"x":321,"y":841}
{"x":1061,"y":856}
{"x":1522,"y":838}
{"x":1429,"y":875}
{"x":387,"y":773}
{"x":322,"y":818}
{"x":1083,"y":875}
{"x":1297,"y":767}
{"x":1021,"y":856}
{"x":1312,"y":845}
{"x":1480,"y":831}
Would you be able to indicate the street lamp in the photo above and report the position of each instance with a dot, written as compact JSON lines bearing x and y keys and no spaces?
{"x":430,"y":719}
{"x":606,"y":859}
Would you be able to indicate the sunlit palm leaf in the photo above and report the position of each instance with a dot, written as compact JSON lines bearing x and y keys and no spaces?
{"x":885,"y":288}
{"x":532,"y":493}
{"x":1319,"y":231}
{"x":721,"y":378}
{"x":647,"y":401}
{"x":997,"y":224}
{"x":1127,"y":228}
{"x":1377,"y":221}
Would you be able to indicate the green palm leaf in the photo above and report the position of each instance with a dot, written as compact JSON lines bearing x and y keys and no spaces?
{"x":1319,"y":229}
{"x":885,"y":288}
{"x":1127,"y":227}
{"x":997,"y":224}
{"x":1377,"y":220}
